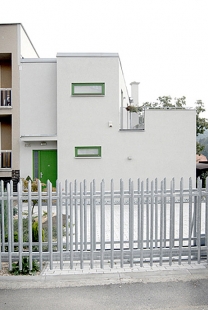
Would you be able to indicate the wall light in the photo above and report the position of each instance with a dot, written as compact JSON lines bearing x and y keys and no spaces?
{"x":43,"y":143}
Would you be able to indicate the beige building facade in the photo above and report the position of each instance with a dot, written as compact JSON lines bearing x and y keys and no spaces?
{"x":14,"y":45}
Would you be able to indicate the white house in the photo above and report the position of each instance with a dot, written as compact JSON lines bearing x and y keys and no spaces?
{"x":74,"y":124}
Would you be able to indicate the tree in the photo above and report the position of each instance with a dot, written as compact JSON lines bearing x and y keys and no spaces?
{"x":201,"y":122}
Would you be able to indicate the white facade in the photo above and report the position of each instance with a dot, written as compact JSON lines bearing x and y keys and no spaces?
{"x":51,"y":113}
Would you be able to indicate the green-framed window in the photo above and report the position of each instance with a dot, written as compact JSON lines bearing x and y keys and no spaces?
{"x":88,"y":151}
{"x":88,"y":89}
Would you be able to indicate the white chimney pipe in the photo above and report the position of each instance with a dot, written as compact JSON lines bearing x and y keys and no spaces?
{"x":135,"y":92}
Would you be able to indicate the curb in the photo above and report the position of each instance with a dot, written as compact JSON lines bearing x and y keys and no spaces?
{"x":145,"y":275}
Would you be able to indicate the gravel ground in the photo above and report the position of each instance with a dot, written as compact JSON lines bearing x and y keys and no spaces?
{"x":4,"y":271}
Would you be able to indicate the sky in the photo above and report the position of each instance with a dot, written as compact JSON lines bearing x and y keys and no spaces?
{"x":163,"y":44}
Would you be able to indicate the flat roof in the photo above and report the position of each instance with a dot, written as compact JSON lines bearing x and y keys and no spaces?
{"x":38,"y":60}
{"x":87,"y":55}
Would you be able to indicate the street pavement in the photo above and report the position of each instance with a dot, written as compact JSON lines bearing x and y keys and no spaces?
{"x":174,"y":287}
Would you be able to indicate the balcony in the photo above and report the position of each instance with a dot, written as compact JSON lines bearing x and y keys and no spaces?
{"x":133,"y":121}
{"x":5,"y":159}
{"x":5,"y":97}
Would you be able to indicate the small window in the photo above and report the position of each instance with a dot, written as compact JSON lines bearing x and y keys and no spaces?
{"x":88,"y":151}
{"x":88,"y":89}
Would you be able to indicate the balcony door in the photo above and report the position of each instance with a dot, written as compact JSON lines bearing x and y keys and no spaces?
{"x":45,"y":165}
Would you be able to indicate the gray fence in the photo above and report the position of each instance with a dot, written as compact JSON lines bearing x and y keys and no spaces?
{"x":147,"y":222}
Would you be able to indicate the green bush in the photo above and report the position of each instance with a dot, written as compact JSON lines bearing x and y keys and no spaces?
{"x":25,"y":267}
{"x":35,"y":234}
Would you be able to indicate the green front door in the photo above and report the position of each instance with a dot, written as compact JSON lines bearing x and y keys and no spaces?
{"x":45,"y":166}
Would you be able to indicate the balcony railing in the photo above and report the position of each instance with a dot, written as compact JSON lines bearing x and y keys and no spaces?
{"x":5,"y":97}
{"x":132,"y":120}
{"x":5,"y":159}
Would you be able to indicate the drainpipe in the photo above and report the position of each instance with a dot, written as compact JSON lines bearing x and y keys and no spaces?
{"x":135,"y":93}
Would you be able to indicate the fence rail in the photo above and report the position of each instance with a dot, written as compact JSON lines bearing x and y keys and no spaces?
{"x":146,"y":222}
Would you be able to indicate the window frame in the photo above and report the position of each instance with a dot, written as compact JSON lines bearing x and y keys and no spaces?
{"x":77,"y":148}
{"x":102,"y":93}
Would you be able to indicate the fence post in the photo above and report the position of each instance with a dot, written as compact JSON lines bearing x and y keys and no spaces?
{"x":165,"y":212}
{"x":85,"y":214}
{"x":40,"y":239}
{"x":156,"y":213}
{"x":112,"y":223}
{"x":206,"y":218}
{"x":9,"y":225}
{"x":12,"y":220}
{"x":190,"y":220}
{"x":67,"y":214}
{"x":147,"y":213}
{"x":49,"y":212}
{"x":198,"y":220}
{"x":71,"y":225}
{"x":131,"y":221}
{"x":102,"y":222}
{"x":60,"y":225}
{"x":161,"y":222}
{"x":138,"y":214}
{"x":30,"y":223}
{"x":94,"y":214}
{"x":151,"y":223}
{"x":121,"y":222}
{"x":20,"y":228}
{"x":92,"y":235}
{"x":171,"y":239}
{"x":3,"y":223}
{"x":142,"y":225}
{"x":76,"y":215}
{"x":81,"y":205}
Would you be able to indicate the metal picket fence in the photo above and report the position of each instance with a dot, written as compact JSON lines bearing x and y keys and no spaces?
{"x":147,"y":222}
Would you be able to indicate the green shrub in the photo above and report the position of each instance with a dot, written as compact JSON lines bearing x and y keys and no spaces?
{"x":35,"y":234}
{"x":25,"y":267}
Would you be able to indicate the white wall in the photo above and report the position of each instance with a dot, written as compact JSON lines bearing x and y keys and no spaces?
{"x":83,"y":121}
{"x":165,"y":149}
{"x":38,"y":115}
{"x":38,"y":98}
